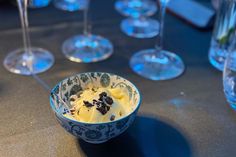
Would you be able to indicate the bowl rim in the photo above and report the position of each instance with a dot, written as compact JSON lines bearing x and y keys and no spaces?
{"x":97,"y":123}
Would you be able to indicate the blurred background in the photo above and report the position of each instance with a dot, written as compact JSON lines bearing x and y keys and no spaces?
{"x":51,"y":15}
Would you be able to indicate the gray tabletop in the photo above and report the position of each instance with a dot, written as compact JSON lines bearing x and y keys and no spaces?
{"x":184,"y":117}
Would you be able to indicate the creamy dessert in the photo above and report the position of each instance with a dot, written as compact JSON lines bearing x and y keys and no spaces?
{"x":95,"y":105}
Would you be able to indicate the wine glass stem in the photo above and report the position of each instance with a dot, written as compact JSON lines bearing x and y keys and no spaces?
{"x":22,"y":5}
{"x":159,"y":42}
{"x":86,"y":25}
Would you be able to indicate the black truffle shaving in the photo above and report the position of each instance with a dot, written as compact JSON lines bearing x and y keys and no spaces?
{"x":109,"y":100}
{"x":112,"y":117}
{"x":99,"y":104}
{"x":103,"y":94}
{"x":103,"y":109}
{"x":94,"y":101}
{"x":88,"y":104}
{"x":102,"y":104}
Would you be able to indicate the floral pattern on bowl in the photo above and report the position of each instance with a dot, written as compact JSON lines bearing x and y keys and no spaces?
{"x":93,"y":132}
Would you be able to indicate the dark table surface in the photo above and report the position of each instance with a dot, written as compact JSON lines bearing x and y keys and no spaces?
{"x":183,"y":117}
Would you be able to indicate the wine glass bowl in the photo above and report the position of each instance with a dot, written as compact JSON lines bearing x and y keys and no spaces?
{"x":223,"y":33}
{"x":229,"y":79}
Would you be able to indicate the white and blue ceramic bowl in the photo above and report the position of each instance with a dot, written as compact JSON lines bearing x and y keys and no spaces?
{"x":93,"y":132}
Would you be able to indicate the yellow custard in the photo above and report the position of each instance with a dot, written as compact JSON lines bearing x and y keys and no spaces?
{"x":95,"y":105}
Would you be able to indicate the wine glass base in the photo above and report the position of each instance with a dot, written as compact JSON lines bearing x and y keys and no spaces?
{"x":136,"y":8}
{"x":20,"y":63}
{"x":86,"y":49}
{"x":38,"y":4}
{"x":70,"y":5}
{"x":140,"y":28}
{"x":165,"y":66}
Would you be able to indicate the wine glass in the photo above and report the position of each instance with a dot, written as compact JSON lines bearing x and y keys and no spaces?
{"x":87,"y":47}
{"x":28,"y":60}
{"x":229,"y":75}
{"x":70,"y":5}
{"x":157,"y":64}
{"x":138,"y":24}
{"x":225,"y":25}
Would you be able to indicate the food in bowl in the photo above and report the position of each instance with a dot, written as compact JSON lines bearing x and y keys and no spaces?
{"x":94,"y":105}
{"x":123,"y":93}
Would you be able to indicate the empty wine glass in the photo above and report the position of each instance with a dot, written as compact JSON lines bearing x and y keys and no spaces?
{"x":138,"y":24}
{"x":28,"y":60}
{"x":70,"y":5}
{"x":229,"y":75}
{"x":157,"y":64}
{"x":87,"y":47}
